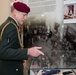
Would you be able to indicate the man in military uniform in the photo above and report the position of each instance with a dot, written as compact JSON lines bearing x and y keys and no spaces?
{"x":12,"y":52}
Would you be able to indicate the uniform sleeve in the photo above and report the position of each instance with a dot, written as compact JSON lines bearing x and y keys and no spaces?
{"x":10,"y":47}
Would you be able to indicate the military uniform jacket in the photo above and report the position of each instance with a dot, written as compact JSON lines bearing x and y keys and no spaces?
{"x":11,"y":54}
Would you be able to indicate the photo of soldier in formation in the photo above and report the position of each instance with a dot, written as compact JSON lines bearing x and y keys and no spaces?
{"x":58,"y":54}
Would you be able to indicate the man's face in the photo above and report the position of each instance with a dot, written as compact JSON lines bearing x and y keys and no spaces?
{"x":21,"y":17}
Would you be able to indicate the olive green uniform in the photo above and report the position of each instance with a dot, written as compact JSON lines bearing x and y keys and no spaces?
{"x":11,"y":53}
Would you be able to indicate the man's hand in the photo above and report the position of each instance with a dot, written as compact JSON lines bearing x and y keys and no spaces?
{"x":35,"y":51}
{"x":24,"y":63}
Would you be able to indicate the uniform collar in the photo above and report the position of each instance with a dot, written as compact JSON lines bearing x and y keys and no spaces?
{"x":12,"y":19}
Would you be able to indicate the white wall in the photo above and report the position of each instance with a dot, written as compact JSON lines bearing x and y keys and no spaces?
{"x":25,"y":1}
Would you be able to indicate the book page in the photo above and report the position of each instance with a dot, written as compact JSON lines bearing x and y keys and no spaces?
{"x":45,"y":28}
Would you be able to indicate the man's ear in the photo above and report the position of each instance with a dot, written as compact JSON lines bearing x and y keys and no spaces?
{"x":16,"y":12}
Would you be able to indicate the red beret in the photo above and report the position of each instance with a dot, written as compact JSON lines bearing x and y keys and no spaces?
{"x":20,"y":6}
